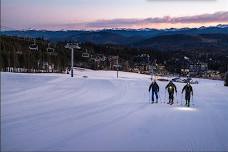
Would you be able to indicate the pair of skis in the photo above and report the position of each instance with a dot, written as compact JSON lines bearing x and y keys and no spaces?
{"x":152,"y":102}
{"x":173,"y":104}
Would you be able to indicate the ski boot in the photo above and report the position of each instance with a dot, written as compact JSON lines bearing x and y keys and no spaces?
{"x":156,"y":101}
{"x":188,"y":104}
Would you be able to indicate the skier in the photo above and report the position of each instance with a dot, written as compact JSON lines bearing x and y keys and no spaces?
{"x":171,"y":87}
{"x":188,"y":91}
{"x":155,"y":89}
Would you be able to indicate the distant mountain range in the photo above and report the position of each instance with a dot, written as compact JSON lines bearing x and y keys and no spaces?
{"x":216,"y":36}
{"x":177,"y":42}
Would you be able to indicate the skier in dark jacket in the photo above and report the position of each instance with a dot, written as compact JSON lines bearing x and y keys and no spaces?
{"x":171,"y":87}
{"x":188,"y":91}
{"x":155,"y":89}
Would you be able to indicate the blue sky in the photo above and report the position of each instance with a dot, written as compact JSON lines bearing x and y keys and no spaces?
{"x":57,"y":14}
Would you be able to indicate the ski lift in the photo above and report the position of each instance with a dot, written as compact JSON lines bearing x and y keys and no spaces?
{"x":50,"y":50}
{"x":34,"y":46}
{"x":72,"y":46}
{"x":103,"y":58}
{"x":85,"y":54}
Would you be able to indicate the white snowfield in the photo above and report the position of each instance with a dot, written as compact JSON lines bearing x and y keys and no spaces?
{"x":54,"y":112}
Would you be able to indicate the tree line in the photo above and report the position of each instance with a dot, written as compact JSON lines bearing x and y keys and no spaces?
{"x":16,"y":56}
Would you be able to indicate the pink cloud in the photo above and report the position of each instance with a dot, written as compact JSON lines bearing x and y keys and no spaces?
{"x":156,"y":22}
{"x":191,"y":21}
{"x":204,"y":18}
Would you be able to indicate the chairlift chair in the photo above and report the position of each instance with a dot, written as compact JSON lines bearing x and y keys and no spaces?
{"x":103,"y":58}
{"x":34,"y":46}
{"x":85,"y":54}
{"x":50,"y":50}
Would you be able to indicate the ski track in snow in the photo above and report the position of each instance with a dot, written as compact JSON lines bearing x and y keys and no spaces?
{"x":53,"y":112}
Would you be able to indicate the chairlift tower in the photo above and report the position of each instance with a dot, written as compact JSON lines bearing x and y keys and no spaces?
{"x":226,"y":79}
{"x":226,"y":75}
{"x":72,"y":46}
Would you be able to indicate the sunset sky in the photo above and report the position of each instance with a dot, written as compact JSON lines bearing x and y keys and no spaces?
{"x":99,"y":14}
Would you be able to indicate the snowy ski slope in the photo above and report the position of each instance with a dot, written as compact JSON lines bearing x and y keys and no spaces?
{"x":41,"y":112}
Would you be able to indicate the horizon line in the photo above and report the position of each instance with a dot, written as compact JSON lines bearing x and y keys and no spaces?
{"x":103,"y":29}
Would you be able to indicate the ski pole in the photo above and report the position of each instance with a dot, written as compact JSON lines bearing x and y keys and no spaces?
{"x":165,"y":95}
{"x":181,"y":99}
{"x":159,"y":97}
{"x":149,"y":97}
{"x":192,"y":100}
{"x":176,"y":99}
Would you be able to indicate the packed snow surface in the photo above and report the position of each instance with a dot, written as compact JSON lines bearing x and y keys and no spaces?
{"x":95,"y":111}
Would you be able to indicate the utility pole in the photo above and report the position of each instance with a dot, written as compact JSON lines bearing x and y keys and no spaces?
{"x":72,"y":62}
{"x":117,"y":67}
{"x":226,"y":75}
{"x":72,"y":46}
